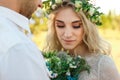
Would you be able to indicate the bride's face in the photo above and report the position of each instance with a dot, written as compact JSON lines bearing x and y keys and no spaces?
{"x":69,"y":28}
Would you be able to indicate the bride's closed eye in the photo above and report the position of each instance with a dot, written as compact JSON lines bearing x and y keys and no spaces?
{"x":77,"y":25}
{"x":60,"y":24}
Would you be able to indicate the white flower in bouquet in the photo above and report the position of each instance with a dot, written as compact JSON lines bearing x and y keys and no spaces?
{"x":68,"y":73}
{"x":72,"y":66}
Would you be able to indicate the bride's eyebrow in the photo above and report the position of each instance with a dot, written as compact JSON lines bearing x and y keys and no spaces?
{"x":59,"y":21}
{"x":77,"y":21}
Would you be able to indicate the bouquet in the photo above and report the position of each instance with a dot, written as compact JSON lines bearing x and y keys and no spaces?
{"x":64,"y":67}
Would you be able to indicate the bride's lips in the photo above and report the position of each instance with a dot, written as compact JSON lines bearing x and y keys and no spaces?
{"x":68,"y":41}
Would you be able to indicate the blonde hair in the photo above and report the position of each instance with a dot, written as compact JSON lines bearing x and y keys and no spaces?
{"x":91,"y":39}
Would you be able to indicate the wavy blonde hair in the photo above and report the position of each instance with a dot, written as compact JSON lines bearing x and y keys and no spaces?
{"x":91,"y":38}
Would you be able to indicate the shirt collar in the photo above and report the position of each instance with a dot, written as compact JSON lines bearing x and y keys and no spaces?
{"x":15,"y":17}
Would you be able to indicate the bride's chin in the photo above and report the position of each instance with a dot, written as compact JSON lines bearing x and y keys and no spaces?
{"x":68,"y":48}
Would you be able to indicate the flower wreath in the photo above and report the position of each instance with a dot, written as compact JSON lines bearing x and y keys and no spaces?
{"x":88,"y":8}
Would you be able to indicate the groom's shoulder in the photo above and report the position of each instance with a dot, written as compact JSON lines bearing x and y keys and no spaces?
{"x":8,"y":40}
{"x":8,"y":37}
{"x":4,"y":21}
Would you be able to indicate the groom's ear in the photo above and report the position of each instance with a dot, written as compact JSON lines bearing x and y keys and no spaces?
{"x":40,"y":3}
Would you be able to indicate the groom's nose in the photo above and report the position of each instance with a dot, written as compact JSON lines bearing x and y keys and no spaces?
{"x":40,"y":3}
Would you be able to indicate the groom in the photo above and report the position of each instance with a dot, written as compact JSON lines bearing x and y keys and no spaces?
{"x":20,"y":59}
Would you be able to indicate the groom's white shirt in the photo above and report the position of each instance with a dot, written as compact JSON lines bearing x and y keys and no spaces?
{"x":20,"y":59}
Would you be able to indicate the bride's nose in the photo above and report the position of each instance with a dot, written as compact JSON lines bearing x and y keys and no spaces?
{"x":68,"y":33}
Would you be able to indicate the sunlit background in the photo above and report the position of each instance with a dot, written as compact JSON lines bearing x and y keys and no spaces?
{"x":110,"y":30}
{"x":107,"y":5}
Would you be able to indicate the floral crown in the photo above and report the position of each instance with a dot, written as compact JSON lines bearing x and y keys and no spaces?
{"x":88,"y":8}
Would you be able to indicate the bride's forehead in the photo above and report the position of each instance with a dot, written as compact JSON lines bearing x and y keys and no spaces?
{"x":67,"y":15}
{"x":72,"y":21}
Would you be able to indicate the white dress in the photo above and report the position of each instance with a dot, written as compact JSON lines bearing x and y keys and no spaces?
{"x":102,"y":68}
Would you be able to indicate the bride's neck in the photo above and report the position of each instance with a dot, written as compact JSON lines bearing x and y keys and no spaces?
{"x":79,"y":50}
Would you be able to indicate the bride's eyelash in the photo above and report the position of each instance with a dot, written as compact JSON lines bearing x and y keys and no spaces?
{"x":60,"y":26}
{"x":76,"y":26}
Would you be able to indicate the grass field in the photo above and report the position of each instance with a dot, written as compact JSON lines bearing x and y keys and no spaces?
{"x":110,"y":35}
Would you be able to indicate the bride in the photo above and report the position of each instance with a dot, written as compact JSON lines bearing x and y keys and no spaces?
{"x":72,"y":26}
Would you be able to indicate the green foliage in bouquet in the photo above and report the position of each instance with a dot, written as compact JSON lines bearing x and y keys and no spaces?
{"x":64,"y":67}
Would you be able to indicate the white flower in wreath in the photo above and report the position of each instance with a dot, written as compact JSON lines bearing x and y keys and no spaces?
{"x":58,"y":1}
{"x":54,"y":6}
{"x":91,"y":11}
{"x":93,"y":20}
{"x":98,"y":18}
{"x":78,"y":4}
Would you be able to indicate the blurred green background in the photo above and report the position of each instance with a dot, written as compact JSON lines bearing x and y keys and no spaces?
{"x":110,"y":30}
